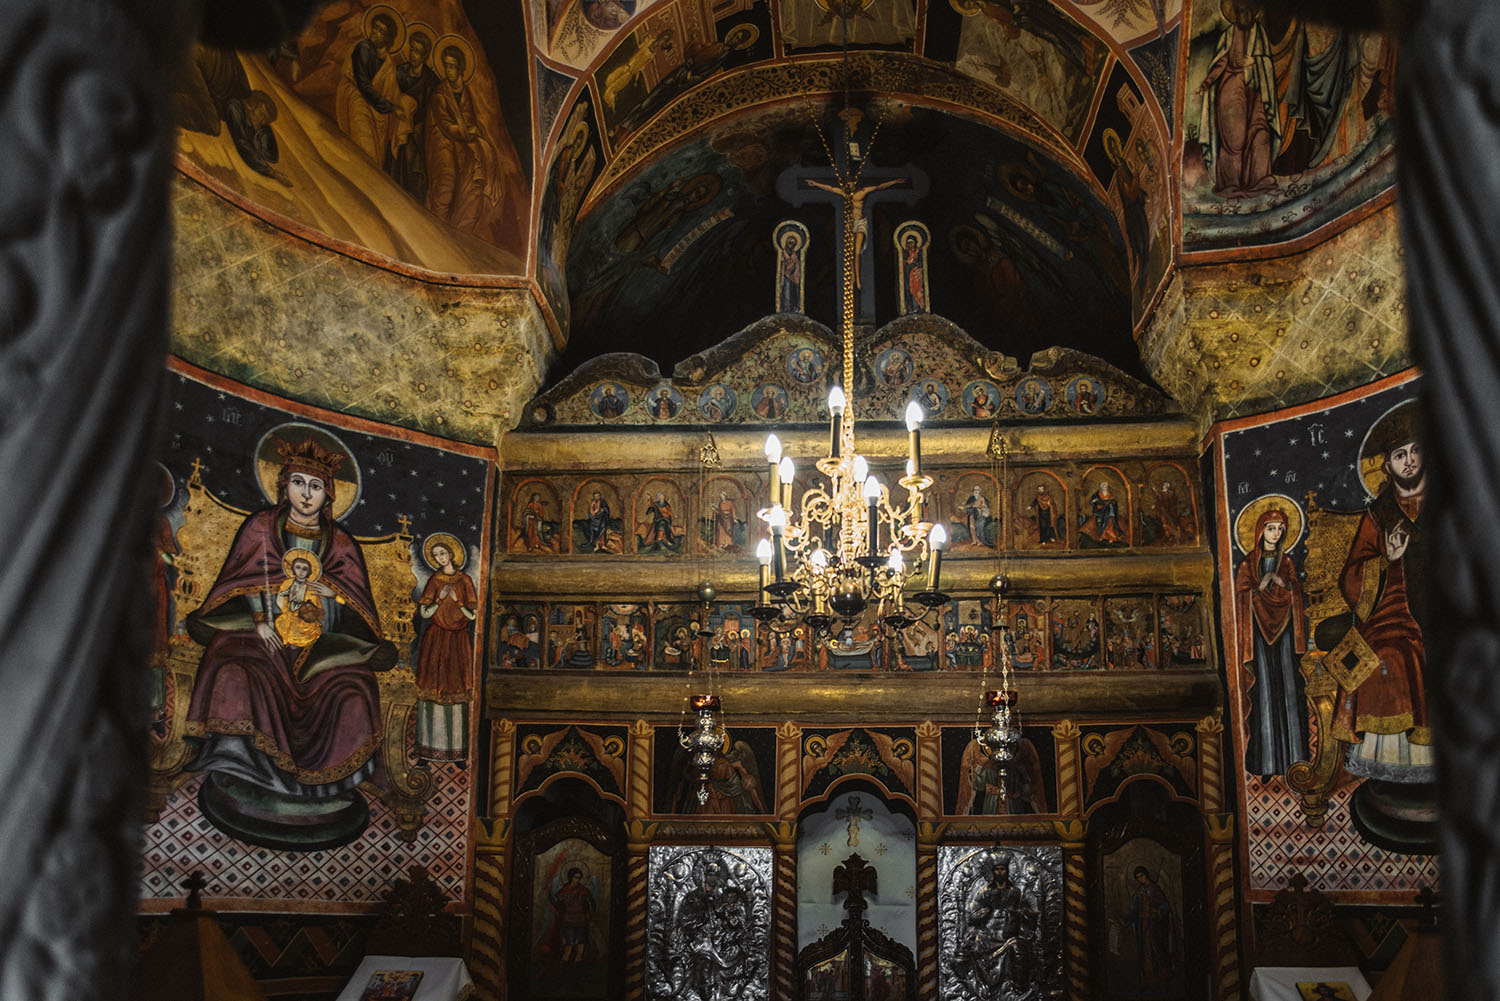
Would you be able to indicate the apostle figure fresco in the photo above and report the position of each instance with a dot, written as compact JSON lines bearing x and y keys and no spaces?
{"x":1271,"y":613}
{"x":1103,"y":519}
{"x":286,"y":724}
{"x":1381,"y":710}
{"x":534,"y":526}
{"x":448,"y":606}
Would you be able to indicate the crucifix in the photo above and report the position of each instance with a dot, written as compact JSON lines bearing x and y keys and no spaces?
{"x":857,"y":192}
{"x":853,"y":813}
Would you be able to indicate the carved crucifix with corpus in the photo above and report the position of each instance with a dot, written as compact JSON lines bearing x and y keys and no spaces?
{"x":857,"y":195}
{"x":853,"y":813}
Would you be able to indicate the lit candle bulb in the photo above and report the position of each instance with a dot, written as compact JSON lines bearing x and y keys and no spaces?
{"x":872,"y":498}
{"x":773,"y":456}
{"x":914,"y":417}
{"x":897,"y":566}
{"x":763,"y":553}
{"x":936,"y":540}
{"x":861,"y":469}
{"x":776,"y":518}
{"x":818,"y":558}
{"x":836,"y":403}
{"x":787,"y":471}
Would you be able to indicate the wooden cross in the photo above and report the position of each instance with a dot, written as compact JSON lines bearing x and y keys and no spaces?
{"x":856,"y":877}
{"x":853,"y":814}
{"x":799,"y":186}
{"x":194,"y":883}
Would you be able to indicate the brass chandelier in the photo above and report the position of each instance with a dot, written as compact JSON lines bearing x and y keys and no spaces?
{"x":838,"y":556}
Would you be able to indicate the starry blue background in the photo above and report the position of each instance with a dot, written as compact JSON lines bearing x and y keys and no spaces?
{"x":439,"y":491}
{"x":1318,"y":451}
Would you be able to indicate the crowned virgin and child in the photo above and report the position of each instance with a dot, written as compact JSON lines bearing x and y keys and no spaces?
{"x":278,"y":725}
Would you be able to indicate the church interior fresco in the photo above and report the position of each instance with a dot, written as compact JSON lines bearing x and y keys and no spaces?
{"x":1184,"y":316}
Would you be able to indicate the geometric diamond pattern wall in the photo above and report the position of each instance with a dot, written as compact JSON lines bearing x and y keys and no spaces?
{"x":358,"y":873}
{"x":1333,"y":859}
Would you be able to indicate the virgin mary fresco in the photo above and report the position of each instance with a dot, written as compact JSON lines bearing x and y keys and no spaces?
{"x":286,"y":729}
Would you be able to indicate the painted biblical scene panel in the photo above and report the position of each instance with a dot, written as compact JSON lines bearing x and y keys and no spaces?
{"x":1287,"y":125}
{"x":380,"y":125}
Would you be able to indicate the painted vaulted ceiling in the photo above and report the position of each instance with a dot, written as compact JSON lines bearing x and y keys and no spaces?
{"x":633,"y":162}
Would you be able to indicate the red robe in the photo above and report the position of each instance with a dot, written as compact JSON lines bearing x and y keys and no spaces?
{"x":447,"y":650}
{"x":314,"y":711}
{"x":1393,"y":699}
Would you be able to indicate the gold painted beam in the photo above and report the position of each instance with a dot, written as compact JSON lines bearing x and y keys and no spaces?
{"x":676,"y":579}
{"x":743,"y":448}
{"x":848,"y":697}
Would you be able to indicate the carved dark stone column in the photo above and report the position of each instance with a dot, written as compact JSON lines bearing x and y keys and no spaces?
{"x":83,"y":335}
{"x":1450,"y":143}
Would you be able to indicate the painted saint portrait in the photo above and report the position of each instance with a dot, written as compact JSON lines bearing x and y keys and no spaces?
{"x":598,"y":519}
{"x":769,"y":401}
{"x":1104,"y":511}
{"x":1085,"y":395}
{"x":981,"y":399}
{"x":1271,"y":615}
{"x":805,"y":365}
{"x":663,"y":402}
{"x":570,"y":926}
{"x":1041,"y":506}
{"x":660,"y":518}
{"x":535,"y":521}
{"x":716,"y":403}
{"x":1168,"y":512}
{"x":1033,"y":395}
{"x":447,"y":608}
{"x":894,"y":367}
{"x":285,"y":723}
{"x":790,"y":240}
{"x":931,"y":395}
{"x":725,"y":516}
{"x":1144,"y":912}
{"x":609,"y":400}
{"x":974,"y":521}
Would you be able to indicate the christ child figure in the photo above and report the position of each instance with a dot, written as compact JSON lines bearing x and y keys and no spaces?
{"x":299,"y":599}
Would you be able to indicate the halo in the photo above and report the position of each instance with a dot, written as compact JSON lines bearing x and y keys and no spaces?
{"x":575,"y":863}
{"x":399,"y":40}
{"x":1244,"y":522}
{"x":468,"y":50}
{"x":166,"y":486}
{"x":425,"y":28}
{"x":791,"y":234}
{"x":742,"y":36}
{"x":1372,"y":467}
{"x":293,"y":555}
{"x":268,"y":464}
{"x":454,"y":546}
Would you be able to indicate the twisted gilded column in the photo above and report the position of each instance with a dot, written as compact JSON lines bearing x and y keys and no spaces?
{"x":1069,"y":779}
{"x":638,"y":834}
{"x":84,"y":143}
{"x":1219,"y":826}
{"x":486,"y":957}
{"x":1071,"y":832}
{"x":783,"y":835}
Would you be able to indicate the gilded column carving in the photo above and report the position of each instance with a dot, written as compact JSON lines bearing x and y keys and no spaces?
{"x":1226,"y":953}
{"x":1069,"y":787}
{"x":929,"y":771}
{"x":1211,"y":759}
{"x":1075,"y":888}
{"x":784,"y":905}
{"x":788,"y":772}
{"x":486,"y":957}
{"x":502,"y":766}
{"x":929,"y":836}
{"x":638,"y":793}
{"x":638,"y":835}
{"x":85,"y":126}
